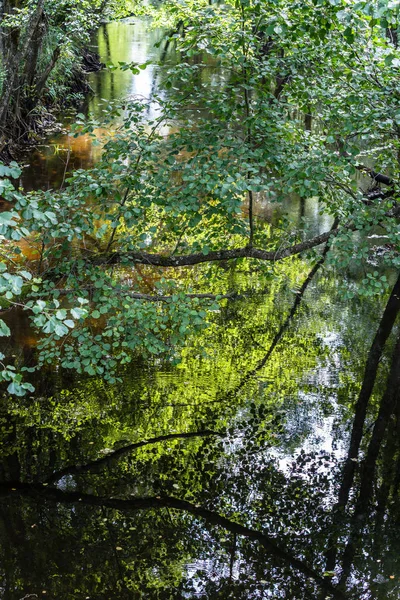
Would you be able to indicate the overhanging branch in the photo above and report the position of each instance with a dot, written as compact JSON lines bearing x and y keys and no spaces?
{"x":378,"y":177}
{"x":160,"y":260}
{"x":184,"y":260}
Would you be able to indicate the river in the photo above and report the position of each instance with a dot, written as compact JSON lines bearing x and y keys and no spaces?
{"x":218,"y":477}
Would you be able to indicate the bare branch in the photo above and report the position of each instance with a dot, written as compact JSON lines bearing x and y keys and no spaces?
{"x":98,"y":464}
{"x":160,"y":260}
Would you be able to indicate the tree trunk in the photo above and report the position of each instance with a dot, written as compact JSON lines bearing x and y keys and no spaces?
{"x":40,"y":85}
{"x":11,"y":83}
{"x":33,"y":53}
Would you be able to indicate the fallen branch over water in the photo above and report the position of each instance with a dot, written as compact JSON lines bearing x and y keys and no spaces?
{"x":160,"y":260}
{"x":183,"y":260}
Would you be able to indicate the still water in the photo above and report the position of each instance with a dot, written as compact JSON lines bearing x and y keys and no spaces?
{"x":229,"y":475}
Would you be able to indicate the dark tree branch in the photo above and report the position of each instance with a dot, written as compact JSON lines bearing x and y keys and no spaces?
{"x":183,"y":260}
{"x":153,"y":298}
{"x":98,"y":464}
{"x":385,"y":327}
{"x":388,"y":406}
{"x":279,"y":334}
{"x":46,"y":73}
{"x":378,"y":177}
{"x":159,"y":260}
{"x":39,"y":491}
{"x":393,"y":36}
{"x":371,"y":369}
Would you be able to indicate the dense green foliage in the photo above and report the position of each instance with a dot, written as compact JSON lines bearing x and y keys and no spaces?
{"x":308,"y":100}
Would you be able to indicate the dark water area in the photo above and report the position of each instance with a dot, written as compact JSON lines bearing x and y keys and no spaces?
{"x":255,"y":468}
{"x":217,"y":479}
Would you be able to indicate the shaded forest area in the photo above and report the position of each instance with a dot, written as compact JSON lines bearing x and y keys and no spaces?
{"x":44,"y":57}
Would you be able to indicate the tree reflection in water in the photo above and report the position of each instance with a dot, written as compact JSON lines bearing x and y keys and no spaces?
{"x":100,"y":500}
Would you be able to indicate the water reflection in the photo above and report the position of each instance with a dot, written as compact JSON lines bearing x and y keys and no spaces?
{"x":50,"y":164}
{"x":126,"y":41}
{"x":238,"y":474}
{"x":171,"y":484}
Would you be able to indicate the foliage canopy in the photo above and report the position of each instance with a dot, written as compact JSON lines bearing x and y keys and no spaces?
{"x":270,"y":99}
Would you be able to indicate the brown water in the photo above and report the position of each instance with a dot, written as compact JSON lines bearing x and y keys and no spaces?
{"x":122,"y":41}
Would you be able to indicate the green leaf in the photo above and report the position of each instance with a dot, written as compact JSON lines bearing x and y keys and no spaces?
{"x":26,"y":275}
{"x":4,"y":329}
{"x":78,"y":313}
{"x":60,"y":329}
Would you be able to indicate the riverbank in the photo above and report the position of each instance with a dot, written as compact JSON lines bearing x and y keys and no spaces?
{"x":47,"y":118}
{"x":43,"y":60}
